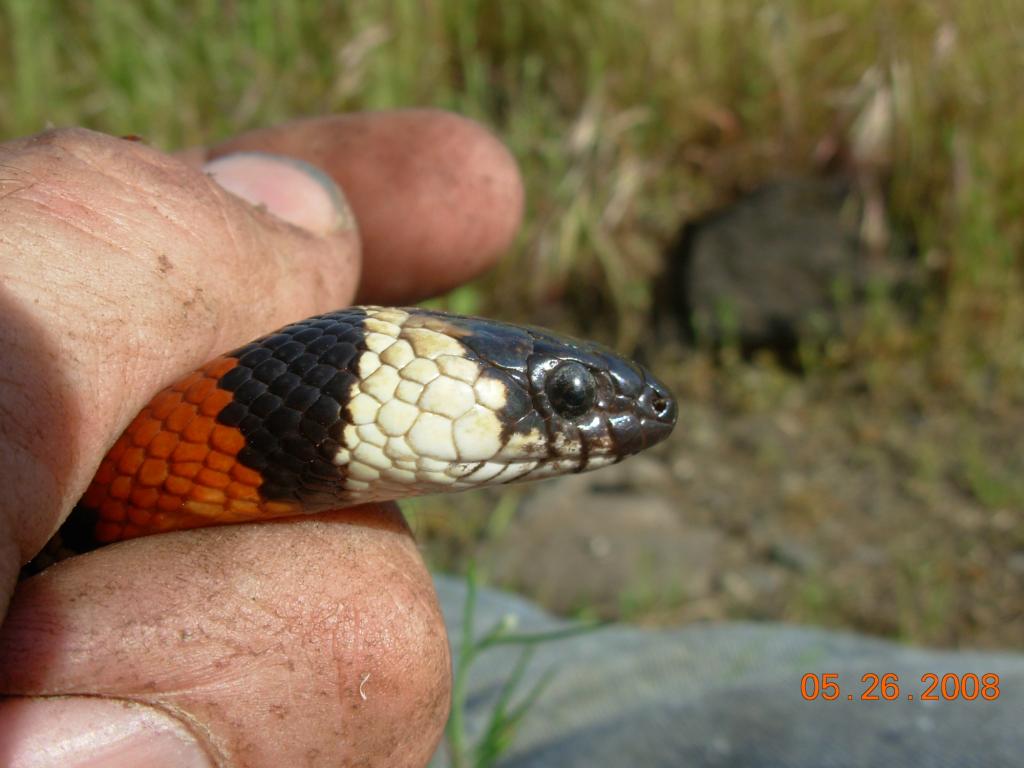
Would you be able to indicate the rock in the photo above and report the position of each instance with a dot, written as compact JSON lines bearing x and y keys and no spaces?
{"x":796,"y":555}
{"x":1016,"y":563}
{"x":766,"y":271}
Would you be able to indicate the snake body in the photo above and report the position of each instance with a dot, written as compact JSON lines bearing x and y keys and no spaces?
{"x":368,"y":404}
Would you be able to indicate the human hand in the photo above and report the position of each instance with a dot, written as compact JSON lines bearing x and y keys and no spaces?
{"x":312,"y":641}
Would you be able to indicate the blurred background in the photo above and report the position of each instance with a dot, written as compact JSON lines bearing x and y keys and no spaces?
{"x":806,"y":216}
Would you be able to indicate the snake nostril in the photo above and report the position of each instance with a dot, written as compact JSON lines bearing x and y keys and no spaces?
{"x":661,"y":406}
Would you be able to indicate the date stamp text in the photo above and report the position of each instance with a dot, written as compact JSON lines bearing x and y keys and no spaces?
{"x":826,"y":686}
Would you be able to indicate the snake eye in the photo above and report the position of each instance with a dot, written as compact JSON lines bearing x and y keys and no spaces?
{"x":570,"y":390}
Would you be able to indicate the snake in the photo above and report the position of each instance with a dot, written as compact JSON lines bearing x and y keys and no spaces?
{"x":366,"y":404}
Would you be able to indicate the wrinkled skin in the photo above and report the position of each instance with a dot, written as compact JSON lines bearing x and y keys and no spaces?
{"x":314,"y":641}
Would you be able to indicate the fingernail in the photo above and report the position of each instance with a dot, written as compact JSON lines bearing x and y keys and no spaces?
{"x":289,"y":188}
{"x":74,"y":731}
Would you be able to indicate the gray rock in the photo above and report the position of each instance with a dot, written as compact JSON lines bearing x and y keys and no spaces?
{"x":729,"y":695}
{"x":795,"y":554}
{"x":766,"y":271}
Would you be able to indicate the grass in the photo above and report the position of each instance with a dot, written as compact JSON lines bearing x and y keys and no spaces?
{"x":626,"y":119}
{"x":510,"y":706}
{"x":992,"y":484}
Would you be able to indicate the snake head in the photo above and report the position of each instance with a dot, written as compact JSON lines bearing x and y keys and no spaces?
{"x":569,"y":405}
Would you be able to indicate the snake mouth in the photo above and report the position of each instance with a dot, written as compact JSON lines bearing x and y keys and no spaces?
{"x":658,"y":412}
{"x":639,"y":411}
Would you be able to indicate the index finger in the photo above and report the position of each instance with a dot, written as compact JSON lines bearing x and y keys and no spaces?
{"x":437,"y":198}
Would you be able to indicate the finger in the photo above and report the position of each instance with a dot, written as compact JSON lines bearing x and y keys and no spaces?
{"x":306,"y":642}
{"x":437,"y":197}
{"x":122,"y":269}
{"x":73,"y":732}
